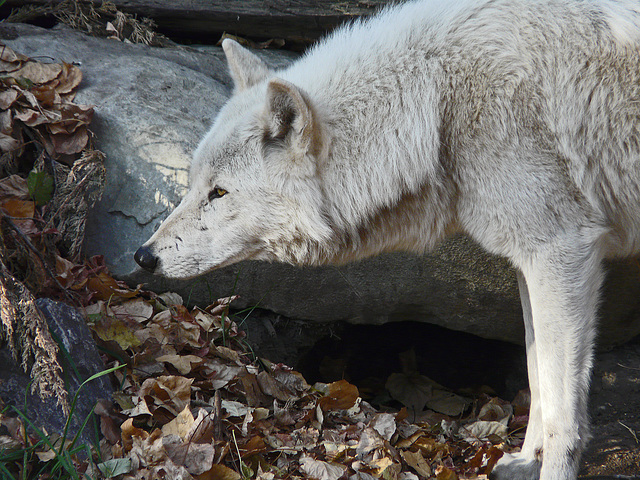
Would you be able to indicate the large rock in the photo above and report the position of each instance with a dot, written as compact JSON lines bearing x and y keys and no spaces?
{"x":80,"y":362}
{"x":153,"y":105}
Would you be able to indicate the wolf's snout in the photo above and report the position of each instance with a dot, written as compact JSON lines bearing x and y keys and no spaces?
{"x":146,"y":259}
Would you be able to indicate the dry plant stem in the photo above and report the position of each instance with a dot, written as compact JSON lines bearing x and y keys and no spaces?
{"x":34,"y":342}
{"x":35,"y":251}
{"x":217,"y":416}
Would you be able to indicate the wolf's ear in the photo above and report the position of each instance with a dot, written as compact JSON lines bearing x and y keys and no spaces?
{"x":246,"y":68}
{"x":290,"y":114}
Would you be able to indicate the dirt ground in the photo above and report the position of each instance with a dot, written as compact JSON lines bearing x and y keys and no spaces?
{"x":614,"y":451}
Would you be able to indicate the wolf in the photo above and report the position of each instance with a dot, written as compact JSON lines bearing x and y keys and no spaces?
{"x":516,"y":122}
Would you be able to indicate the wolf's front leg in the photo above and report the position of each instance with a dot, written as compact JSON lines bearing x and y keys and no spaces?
{"x":525,"y":465}
{"x":563,"y":281}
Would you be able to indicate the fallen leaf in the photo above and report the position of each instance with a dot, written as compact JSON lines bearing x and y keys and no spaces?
{"x":320,"y":470}
{"x":482,"y":430}
{"x":7,"y":54}
{"x":69,"y":143}
{"x":444,"y":473}
{"x":448,"y":403}
{"x":38,"y":72}
{"x":412,"y":390}
{"x":341,"y":396}
{"x":136,"y":309}
{"x":173,"y":391}
{"x":7,"y":97}
{"x":220,"y":472}
{"x":129,"y":432}
{"x":19,"y":208}
{"x":219,"y":374}
{"x":182,"y":363}
{"x":197,"y":458}
{"x":416,"y":461}
{"x":8,"y":143}
{"x":14,"y":186}
{"x":235,"y":409}
{"x":384,"y":424}
{"x":69,"y":79}
{"x":114,"y":467}
{"x":495,"y":412}
{"x":180,"y":425}
{"x":118,"y":331}
{"x":370,"y":440}
{"x":106,"y":287}
{"x":31,"y":118}
{"x":270,"y":386}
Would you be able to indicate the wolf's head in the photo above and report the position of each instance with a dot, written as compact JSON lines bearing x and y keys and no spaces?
{"x":254,"y":181}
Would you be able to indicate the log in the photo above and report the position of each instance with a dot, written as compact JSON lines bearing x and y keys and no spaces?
{"x":294,"y":20}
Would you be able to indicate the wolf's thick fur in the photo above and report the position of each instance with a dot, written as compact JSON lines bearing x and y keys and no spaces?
{"x":515,"y":121}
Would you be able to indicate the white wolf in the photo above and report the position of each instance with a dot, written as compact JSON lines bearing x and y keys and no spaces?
{"x":514,"y":121}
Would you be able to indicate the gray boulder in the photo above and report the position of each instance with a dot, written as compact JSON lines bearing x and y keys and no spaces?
{"x":152,"y":107}
{"x":79,"y":359}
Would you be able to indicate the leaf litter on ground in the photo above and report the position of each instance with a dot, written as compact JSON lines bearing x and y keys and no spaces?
{"x":194,"y":402}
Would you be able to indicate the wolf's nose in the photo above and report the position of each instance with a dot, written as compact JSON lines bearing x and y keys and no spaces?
{"x":145,"y":258}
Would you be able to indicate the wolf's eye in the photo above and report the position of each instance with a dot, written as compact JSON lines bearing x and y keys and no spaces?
{"x":217,"y":192}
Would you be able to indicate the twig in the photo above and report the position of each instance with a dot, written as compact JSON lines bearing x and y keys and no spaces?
{"x":630,"y":368}
{"x":217,"y":416}
{"x":630,"y":431}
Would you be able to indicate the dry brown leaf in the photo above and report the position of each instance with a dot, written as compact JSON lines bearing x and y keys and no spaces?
{"x":70,"y":143}
{"x":106,"y":287}
{"x":129,"y":432}
{"x":412,"y":390}
{"x":202,"y":429}
{"x":31,"y":117}
{"x":370,"y":440}
{"x":430,"y":447}
{"x":37,"y":72}
{"x":270,"y":386}
{"x":8,"y":143}
{"x":174,"y":392}
{"x":416,"y":461}
{"x":219,"y":472}
{"x":136,"y":309}
{"x":8,"y":67}
{"x":341,"y":396}
{"x":118,"y":331}
{"x":496,"y":410}
{"x":69,"y":79}
{"x":140,"y":408}
{"x":384,"y":424}
{"x":14,"y":186}
{"x":482,"y":430}
{"x":46,"y":95}
{"x":7,"y":97}
{"x":189,"y":333}
{"x":218,"y":373}
{"x":19,"y":208}
{"x":182,"y":363}
{"x":320,"y":470}
{"x":228,"y":354}
{"x":386,"y":468}
{"x":197,"y":458}
{"x":444,"y":473}
{"x":9,"y":55}
{"x":181,"y":425}
{"x":206,"y":321}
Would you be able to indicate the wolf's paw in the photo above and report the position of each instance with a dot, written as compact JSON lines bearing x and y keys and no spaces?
{"x":516,"y":467}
